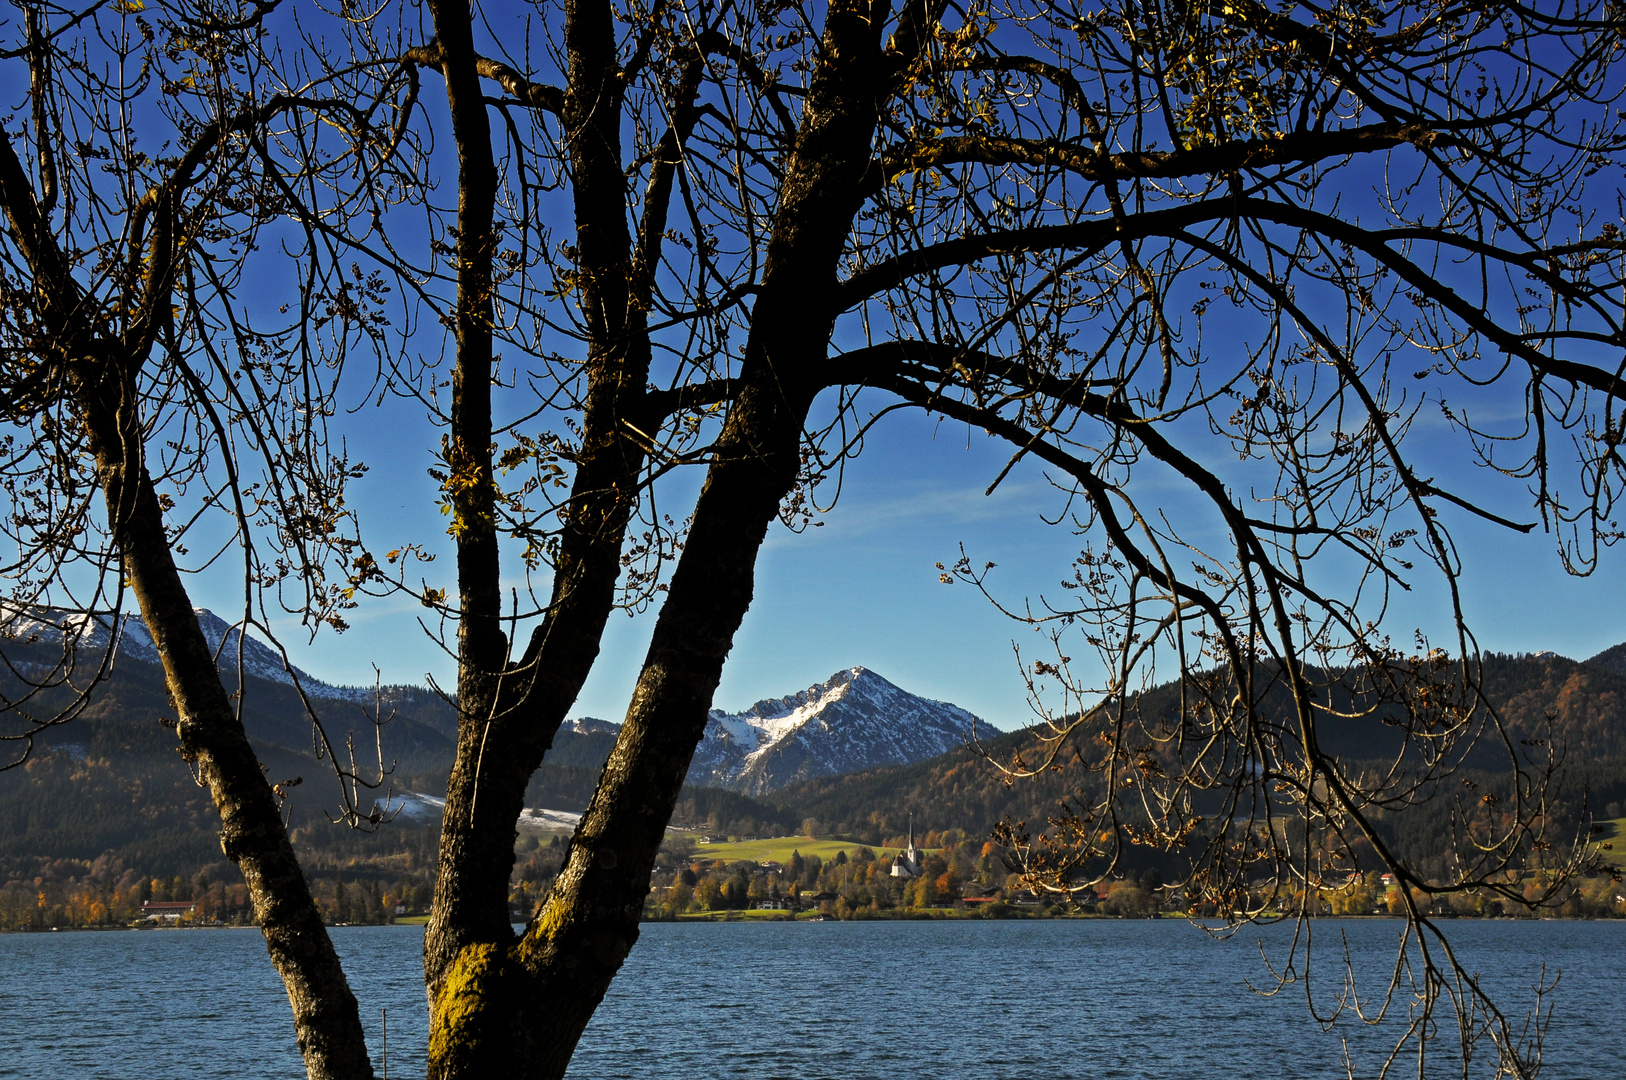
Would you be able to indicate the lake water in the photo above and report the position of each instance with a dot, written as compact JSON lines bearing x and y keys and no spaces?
{"x":1078,"y":998}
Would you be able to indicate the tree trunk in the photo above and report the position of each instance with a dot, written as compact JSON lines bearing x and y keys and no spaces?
{"x":521,"y":1010}
{"x":471,"y":890}
{"x":101,"y":377}
{"x":509,"y":712}
{"x":326,"y":1018}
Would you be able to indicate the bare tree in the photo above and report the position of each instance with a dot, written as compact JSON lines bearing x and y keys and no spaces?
{"x":145,"y":394}
{"x":1184,"y":241}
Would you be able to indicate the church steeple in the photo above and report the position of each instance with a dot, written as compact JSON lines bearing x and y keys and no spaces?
{"x":907,"y":864}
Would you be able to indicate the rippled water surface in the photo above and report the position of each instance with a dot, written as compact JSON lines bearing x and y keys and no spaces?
{"x":1096,"y":998}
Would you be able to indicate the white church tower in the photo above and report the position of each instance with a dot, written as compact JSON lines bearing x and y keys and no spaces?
{"x":907,"y":864}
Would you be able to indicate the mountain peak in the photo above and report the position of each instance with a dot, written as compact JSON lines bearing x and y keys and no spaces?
{"x":590,"y":725}
{"x":855,"y":719}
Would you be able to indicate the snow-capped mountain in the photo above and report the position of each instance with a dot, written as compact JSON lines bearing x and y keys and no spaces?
{"x":89,"y":634}
{"x":32,"y":644}
{"x":590,"y":725}
{"x":854,"y":720}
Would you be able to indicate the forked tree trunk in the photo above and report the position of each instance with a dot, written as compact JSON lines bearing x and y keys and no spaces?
{"x":510,"y":711}
{"x":519,"y":1009}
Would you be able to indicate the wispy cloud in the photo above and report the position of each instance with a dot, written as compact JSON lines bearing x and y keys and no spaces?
{"x":877,"y":511}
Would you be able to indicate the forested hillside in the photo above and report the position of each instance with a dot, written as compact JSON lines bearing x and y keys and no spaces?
{"x":106,"y":809}
{"x":959,"y":790}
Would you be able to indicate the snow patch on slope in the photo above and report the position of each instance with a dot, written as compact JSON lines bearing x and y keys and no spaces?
{"x":415,"y":806}
{"x":548,"y":820}
{"x":419,"y":807}
{"x":854,"y":720}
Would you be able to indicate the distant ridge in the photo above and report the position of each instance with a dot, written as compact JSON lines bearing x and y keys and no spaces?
{"x":1611,"y":659}
{"x":420,"y":733}
{"x":829,"y":751}
{"x":91,"y":634}
{"x":855,"y":720}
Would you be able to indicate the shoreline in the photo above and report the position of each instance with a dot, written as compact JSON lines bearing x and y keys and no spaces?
{"x":739,"y":918}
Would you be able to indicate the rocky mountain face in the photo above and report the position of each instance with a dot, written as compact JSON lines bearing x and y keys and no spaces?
{"x":854,"y":720}
{"x":422,"y":725}
{"x":90,"y":635}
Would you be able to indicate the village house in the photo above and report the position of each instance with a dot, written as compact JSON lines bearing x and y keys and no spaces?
{"x":167,"y":910}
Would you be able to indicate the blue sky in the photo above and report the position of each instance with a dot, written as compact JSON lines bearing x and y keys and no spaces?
{"x":864,"y":589}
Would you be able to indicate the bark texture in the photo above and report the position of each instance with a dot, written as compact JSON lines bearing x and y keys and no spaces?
{"x":558,"y":973}
{"x":100,"y":375}
{"x":511,"y":709}
{"x":326,"y":1018}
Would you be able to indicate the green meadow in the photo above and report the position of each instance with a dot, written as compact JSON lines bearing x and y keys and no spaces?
{"x":779,"y":849}
{"x":735,"y":916}
{"x":1614,"y":834}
